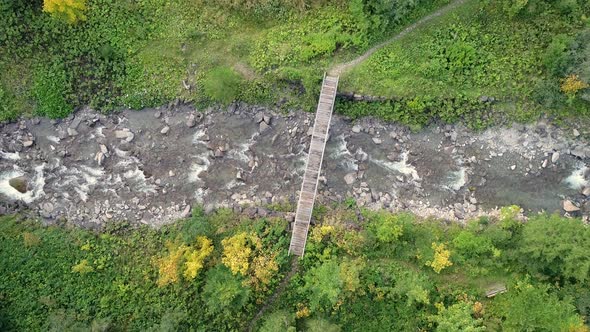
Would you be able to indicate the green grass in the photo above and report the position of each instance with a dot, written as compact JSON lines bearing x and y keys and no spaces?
{"x":145,"y":53}
{"x":473,"y":51}
{"x":378,"y":275}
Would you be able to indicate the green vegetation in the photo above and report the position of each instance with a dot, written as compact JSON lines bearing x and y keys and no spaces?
{"x":519,"y":52}
{"x":214,"y":272}
{"x":56,"y":56}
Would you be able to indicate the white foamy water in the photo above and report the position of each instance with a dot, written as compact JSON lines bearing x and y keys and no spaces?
{"x":198,"y":136}
{"x":401,"y":166}
{"x":344,"y":157}
{"x":200,"y":194}
{"x":53,"y":139}
{"x":9,"y":155}
{"x":340,"y":149}
{"x":576,"y":180}
{"x":233,"y":184}
{"x":197,"y":168}
{"x":239,"y":153}
{"x":457,"y":179}
{"x":139,"y":181}
{"x":35,"y":185}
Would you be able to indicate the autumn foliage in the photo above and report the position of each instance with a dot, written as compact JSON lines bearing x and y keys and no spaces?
{"x":71,"y":10}
{"x":572,"y":84}
{"x":183,"y":258}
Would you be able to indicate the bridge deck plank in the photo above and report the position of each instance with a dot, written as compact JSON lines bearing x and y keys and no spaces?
{"x":314,"y":164}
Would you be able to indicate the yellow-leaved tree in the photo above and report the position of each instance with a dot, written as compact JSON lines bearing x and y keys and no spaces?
{"x":188,"y":259}
{"x":195,"y":257}
{"x":236,"y":252}
{"x":442,"y":257}
{"x":264,"y":268}
{"x":168,"y":265}
{"x":70,"y":10}
{"x":572,"y":84}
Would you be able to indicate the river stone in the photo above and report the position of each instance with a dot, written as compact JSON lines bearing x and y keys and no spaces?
{"x":28,"y":143}
{"x":350,"y":178}
{"x":586,"y":192}
{"x":356,"y":129}
{"x":186,"y":212}
{"x":555,"y":157}
{"x":259,"y":117}
{"x":264,"y":127}
{"x":165,"y":130}
{"x":568,"y":206}
{"x":191,"y":121}
{"x":72,"y":132}
{"x":19,"y":183}
{"x":377,"y":140}
{"x":120,"y":134}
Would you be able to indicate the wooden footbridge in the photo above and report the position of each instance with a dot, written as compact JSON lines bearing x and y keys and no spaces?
{"x":314,"y":165}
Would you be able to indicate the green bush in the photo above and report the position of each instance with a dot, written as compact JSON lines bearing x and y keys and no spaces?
{"x":527,"y":307}
{"x":50,"y":91}
{"x":556,"y":247}
{"x":223,"y":291}
{"x":7,"y":108}
{"x":279,"y":320}
{"x":557,"y":58}
{"x":222,"y":84}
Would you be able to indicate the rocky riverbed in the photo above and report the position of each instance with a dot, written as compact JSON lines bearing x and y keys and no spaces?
{"x":152,"y":166}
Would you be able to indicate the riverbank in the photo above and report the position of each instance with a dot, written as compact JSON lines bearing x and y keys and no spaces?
{"x":152,"y":166}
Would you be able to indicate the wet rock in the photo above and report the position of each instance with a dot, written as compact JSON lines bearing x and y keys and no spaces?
{"x":251,"y":212}
{"x":356,"y":129}
{"x":186,"y":212}
{"x":350,"y":178}
{"x":262,"y":212}
{"x":393,"y":156}
{"x":191,"y":121}
{"x":453,"y":136}
{"x":130,"y":137}
{"x":72,"y":132}
{"x":458,"y":211}
{"x":47,"y":208}
{"x":578,"y":152}
{"x":555,"y":157}
{"x":19,"y":183}
{"x":165,"y":130}
{"x":99,"y":158}
{"x":121,"y":134}
{"x":263,"y":127}
{"x":568,"y":206}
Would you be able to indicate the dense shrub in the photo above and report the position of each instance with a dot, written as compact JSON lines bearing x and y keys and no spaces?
{"x":50,"y":91}
{"x":222,"y":84}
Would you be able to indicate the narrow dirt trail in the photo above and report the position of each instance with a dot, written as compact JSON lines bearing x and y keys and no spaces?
{"x":277,"y":293}
{"x":339,"y":69}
